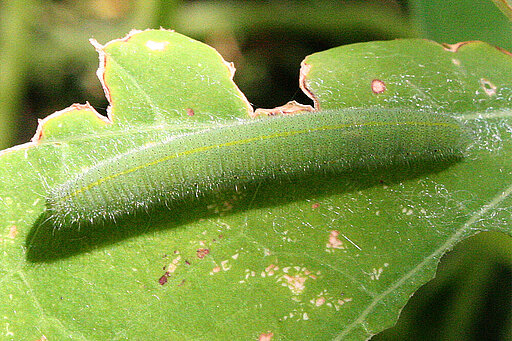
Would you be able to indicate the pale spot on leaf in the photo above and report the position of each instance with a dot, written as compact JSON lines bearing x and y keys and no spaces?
{"x":225,"y":265}
{"x":334,"y":242}
{"x":375,"y":273}
{"x":13,"y":231}
{"x":378,"y":86}
{"x":174,"y":265}
{"x":270,"y":270}
{"x":295,"y":283}
{"x":319,"y":301}
{"x":489,"y":88}
{"x":156,"y":45}
{"x":266,"y":336}
{"x":344,"y":300}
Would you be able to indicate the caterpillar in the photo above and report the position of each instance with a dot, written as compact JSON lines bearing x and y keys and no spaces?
{"x":255,"y":150}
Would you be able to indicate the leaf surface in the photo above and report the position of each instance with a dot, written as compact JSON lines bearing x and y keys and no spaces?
{"x":332,"y":259}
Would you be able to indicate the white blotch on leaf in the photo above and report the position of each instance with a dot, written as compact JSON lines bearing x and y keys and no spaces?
{"x":224,"y":266}
{"x":376,"y":273}
{"x":248,"y":273}
{"x":344,"y":300}
{"x":156,"y":45}
{"x":324,"y":298}
{"x":407,"y":211}
{"x":296,"y":283}
{"x":8,"y":332}
{"x":174,"y":265}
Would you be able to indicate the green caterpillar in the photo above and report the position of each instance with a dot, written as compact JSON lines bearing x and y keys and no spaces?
{"x":255,"y":150}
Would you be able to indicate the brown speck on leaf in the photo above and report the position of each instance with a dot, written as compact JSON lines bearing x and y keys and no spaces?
{"x":266,"y":336}
{"x":190,"y":112}
{"x":187,"y":262}
{"x":162,"y":280}
{"x":181,"y":284}
{"x":378,"y":86}
{"x":315,"y":205}
{"x":201,"y":253}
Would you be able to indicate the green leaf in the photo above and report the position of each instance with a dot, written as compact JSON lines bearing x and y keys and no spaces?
{"x":293,"y":260}
{"x":451,"y":21}
{"x":505,"y":6}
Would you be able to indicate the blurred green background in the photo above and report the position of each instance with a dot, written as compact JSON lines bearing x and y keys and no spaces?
{"x":47,"y":63}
